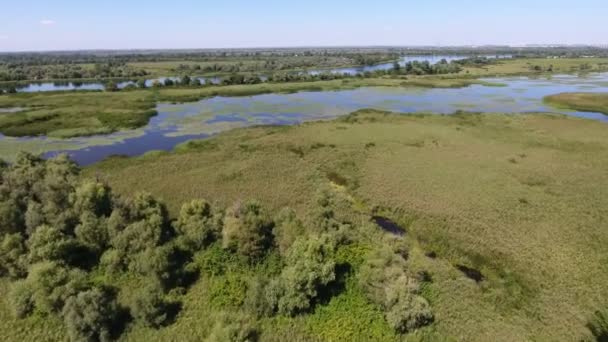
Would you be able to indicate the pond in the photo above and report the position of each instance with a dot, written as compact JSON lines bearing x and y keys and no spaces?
{"x":67,"y":86}
{"x":177,"y":123}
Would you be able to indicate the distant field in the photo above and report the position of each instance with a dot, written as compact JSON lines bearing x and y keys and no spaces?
{"x":589,"y":102}
{"x":518,"y":197}
{"x":526,"y":66}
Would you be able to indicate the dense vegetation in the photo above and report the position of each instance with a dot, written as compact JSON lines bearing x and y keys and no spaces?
{"x":515,"y":251}
{"x":73,"y":249}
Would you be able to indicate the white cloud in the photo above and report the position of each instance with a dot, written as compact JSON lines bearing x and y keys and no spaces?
{"x":47,"y":22}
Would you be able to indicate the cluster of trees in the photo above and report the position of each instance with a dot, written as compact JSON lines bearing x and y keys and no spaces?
{"x":59,"y":234}
{"x":25,"y":72}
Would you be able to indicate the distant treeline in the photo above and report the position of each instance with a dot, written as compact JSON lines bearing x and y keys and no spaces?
{"x":105,"y":64}
{"x":14,"y":71}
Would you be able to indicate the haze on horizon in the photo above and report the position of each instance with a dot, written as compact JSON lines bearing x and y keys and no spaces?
{"x":37,"y":25}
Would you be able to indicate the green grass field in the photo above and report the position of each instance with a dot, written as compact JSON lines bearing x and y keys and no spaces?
{"x":68,"y":114}
{"x":526,"y":66}
{"x":518,"y":197}
{"x":586,"y":102}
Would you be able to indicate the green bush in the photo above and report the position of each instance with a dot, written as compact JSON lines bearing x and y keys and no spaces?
{"x":198,"y":223}
{"x":385,"y":281}
{"x":149,"y":307}
{"x":89,"y":315}
{"x":286,"y":230}
{"x":233,"y":329}
{"x":310,"y":268}
{"x":13,"y":257}
{"x":247,"y":230}
{"x":53,"y":284}
{"x":21,"y":298}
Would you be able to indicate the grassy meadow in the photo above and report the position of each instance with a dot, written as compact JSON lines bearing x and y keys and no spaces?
{"x":69,"y":114}
{"x":519,"y":198}
{"x":531,"y":66}
{"x":586,"y":102}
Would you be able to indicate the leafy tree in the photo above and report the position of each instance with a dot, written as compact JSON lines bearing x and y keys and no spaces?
{"x":149,"y":307}
{"x":310,"y":268}
{"x":247,"y":230}
{"x":89,"y":316}
{"x":13,"y":256}
{"x":52,"y":284}
{"x":198,"y":223}
{"x":287,"y":229}
{"x":93,"y":197}
{"x":141,"y":83}
{"x":92,"y":231}
{"x":47,"y":244}
{"x":137,"y":225}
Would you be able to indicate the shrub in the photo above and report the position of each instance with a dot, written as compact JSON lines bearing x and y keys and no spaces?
{"x":140,"y":225}
{"x":310,"y":268}
{"x":53,"y":284}
{"x":233,"y":329}
{"x":92,"y":197}
{"x":21,"y":299}
{"x":286,"y":230}
{"x":386,"y":283}
{"x":89,"y":315}
{"x":13,"y":256}
{"x":149,"y":308}
{"x":247,"y":230}
{"x":198,"y":223}
{"x":406,"y":311}
{"x":259,"y":300}
{"x":92,"y":231}
{"x":47,"y":244}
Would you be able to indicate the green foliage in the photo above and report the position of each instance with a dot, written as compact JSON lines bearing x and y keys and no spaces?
{"x":89,"y":316}
{"x":386,"y":283}
{"x":48,"y":243}
{"x":310,"y":268}
{"x":136,"y":226}
{"x":21,"y":298}
{"x":247,"y":230}
{"x":198,"y":223}
{"x":149,"y":306}
{"x":233,"y":329}
{"x":93,"y":197}
{"x":286,"y":230}
{"x":52,"y":284}
{"x":13,"y":256}
{"x":259,"y":300}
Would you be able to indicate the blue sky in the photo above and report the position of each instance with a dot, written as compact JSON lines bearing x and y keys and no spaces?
{"x":134,"y":24}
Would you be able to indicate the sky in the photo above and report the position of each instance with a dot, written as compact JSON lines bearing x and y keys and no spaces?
{"x":27,"y":25}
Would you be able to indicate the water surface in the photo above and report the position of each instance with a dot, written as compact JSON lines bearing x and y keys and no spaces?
{"x":177,"y":123}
